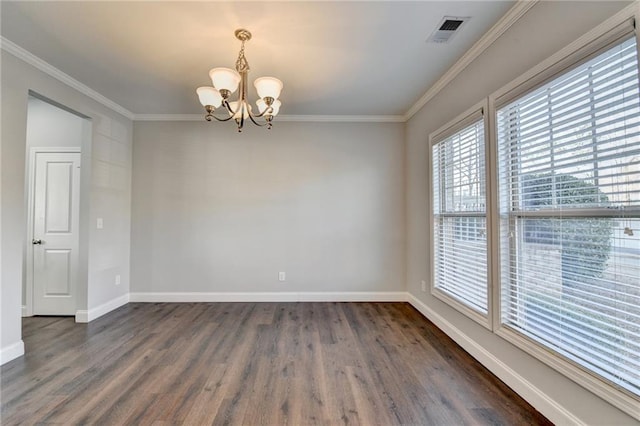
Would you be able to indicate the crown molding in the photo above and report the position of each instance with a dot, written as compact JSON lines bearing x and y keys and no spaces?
{"x":284,"y":118}
{"x":511,"y":17}
{"x":168,"y":117}
{"x":516,"y":12}
{"x":28,"y":57}
{"x":344,"y":118}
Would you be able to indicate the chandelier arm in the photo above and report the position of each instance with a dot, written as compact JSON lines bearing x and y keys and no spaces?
{"x":267,"y":111}
{"x":222,"y":119}
{"x":228,"y":107}
{"x":251,"y":116}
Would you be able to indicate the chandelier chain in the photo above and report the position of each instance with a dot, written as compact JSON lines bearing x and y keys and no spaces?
{"x":242,"y":64}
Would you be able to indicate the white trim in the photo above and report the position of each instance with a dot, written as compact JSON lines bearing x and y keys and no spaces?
{"x":460,"y":306}
{"x":533,"y":395}
{"x":467,"y":118}
{"x":168,"y":117}
{"x":11,"y":352}
{"x":28,"y":57}
{"x":493,"y":219}
{"x":284,"y":118}
{"x":344,"y":118}
{"x":364,"y":296}
{"x":82,"y":316}
{"x":511,"y":17}
{"x":574,"y":372}
{"x":100,"y":310}
{"x":27,"y":309}
{"x":476,"y":113}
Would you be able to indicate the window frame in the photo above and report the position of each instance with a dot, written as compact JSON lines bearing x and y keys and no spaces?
{"x":472,"y":115}
{"x":582,"y":50}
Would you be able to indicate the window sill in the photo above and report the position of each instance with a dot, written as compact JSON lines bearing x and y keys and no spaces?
{"x":617,"y":397}
{"x":479,"y":317}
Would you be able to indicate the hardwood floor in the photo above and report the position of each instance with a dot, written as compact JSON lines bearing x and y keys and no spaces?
{"x":253,"y":364}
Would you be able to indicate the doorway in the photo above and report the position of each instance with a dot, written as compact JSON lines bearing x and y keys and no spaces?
{"x":55,"y":138}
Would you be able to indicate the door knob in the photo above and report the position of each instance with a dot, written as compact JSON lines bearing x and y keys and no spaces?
{"x":34,"y":241}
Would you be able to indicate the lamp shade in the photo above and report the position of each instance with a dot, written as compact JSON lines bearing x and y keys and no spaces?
{"x":225,"y":79}
{"x":209,"y":96}
{"x":262,"y":106}
{"x":268,"y":87}
{"x":234,"y":106}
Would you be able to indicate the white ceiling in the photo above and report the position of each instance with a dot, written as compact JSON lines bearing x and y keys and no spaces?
{"x":335,"y":58}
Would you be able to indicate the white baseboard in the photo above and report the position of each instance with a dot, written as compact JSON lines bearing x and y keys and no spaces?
{"x":11,"y":352}
{"x":100,"y":310}
{"x":534,"y":396}
{"x":365,"y":296}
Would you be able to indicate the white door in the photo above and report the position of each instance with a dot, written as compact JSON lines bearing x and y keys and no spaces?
{"x":55,"y":232}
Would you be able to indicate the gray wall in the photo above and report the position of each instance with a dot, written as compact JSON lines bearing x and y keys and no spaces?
{"x":218,"y":211}
{"x":109,"y":248}
{"x":108,"y":188}
{"x":545,"y":29}
{"x":48,"y":125}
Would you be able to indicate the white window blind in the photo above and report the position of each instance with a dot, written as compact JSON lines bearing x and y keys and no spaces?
{"x":459,"y":217}
{"x":569,"y":175}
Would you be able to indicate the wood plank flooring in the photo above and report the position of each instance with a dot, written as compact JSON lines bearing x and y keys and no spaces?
{"x":252,"y":364}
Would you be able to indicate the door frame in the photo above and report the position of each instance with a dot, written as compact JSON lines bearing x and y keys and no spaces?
{"x":33,"y":152}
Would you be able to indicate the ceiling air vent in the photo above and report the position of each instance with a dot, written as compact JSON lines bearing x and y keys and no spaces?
{"x":449,"y":26}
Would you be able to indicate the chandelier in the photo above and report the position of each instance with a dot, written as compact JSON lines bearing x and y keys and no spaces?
{"x":226,"y":81}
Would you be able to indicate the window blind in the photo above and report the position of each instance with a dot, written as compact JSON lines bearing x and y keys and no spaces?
{"x":569,"y":178}
{"x":459,"y":216}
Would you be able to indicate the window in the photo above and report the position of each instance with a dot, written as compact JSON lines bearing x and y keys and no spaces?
{"x":459,"y":216}
{"x":569,"y":193}
{"x":469,"y":228}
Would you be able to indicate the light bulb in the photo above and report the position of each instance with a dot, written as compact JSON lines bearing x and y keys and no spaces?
{"x":209,"y":96}
{"x":234,"y":107}
{"x":268,"y":87}
{"x":262,"y":106}
{"x":225,"y":79}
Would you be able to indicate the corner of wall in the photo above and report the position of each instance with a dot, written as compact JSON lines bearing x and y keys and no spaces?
{"x":85,"y":316}
{"x":11,"y":352}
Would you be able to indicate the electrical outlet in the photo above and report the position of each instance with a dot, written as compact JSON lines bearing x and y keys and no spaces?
{"x":99,"y":223}
{"x":117,"y":279}
{"x":424,"y":285}
{"x":282,"y":276}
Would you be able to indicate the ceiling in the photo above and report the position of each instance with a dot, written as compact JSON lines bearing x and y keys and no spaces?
{"x":335,"y":58}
